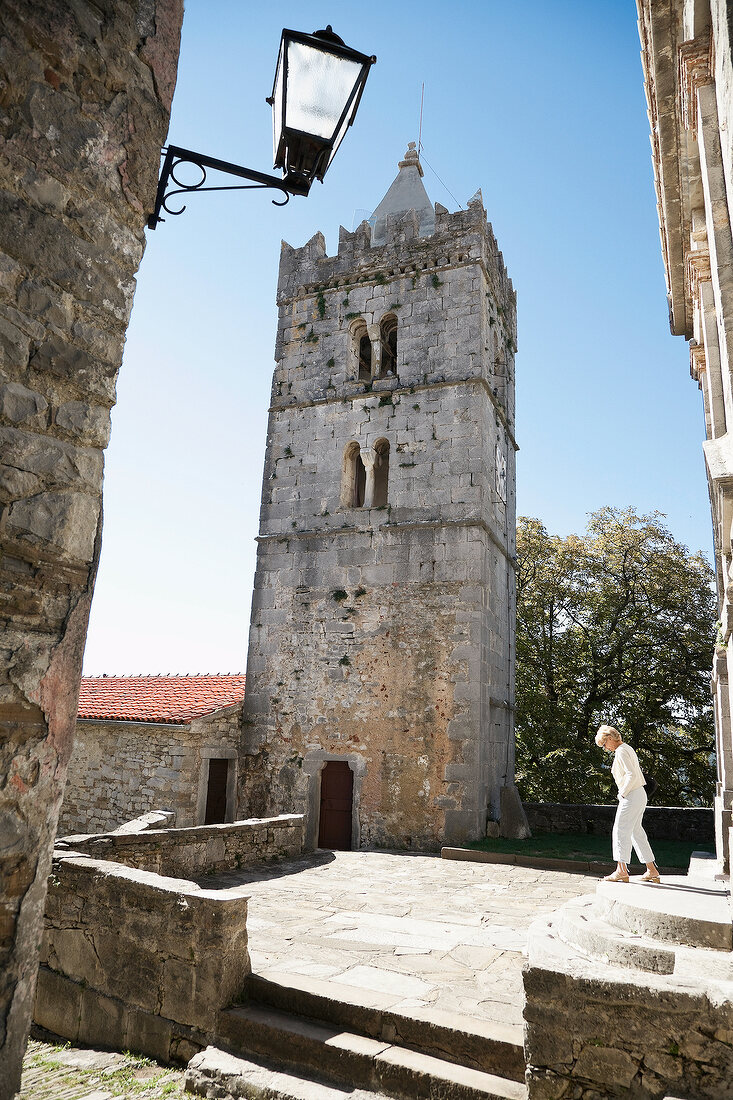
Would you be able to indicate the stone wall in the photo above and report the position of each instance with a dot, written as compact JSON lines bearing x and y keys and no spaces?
{"x":120,"y":770}
{"x":381,"y":636}
{"x":196,"y":852}
{"x":687,"y":57}
{"x":594,"y":1031}
{"x":660,"y":822}
{"x":85,"y":95}
{"x":721,"y":16}
{"x":135,"y":961}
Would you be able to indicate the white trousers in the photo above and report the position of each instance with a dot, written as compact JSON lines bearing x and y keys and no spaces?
{"x":628,"y":830}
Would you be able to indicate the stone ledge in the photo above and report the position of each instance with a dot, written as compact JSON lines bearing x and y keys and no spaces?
{"x":579,"y":925}
{"x":214,"y":1072}
{"x":593,"y":1025}
{"x":476,"y":1043}
{"x":198,"y":850}
{"x":540,"y":863}
{"x":680,"y":910}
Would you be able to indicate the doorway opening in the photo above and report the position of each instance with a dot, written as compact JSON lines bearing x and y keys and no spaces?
{"x":216,"y":792}
{"x":337,"y":803}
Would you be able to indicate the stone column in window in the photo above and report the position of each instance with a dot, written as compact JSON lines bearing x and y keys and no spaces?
{"x":376,"y":338}
{"x":368,"y":457}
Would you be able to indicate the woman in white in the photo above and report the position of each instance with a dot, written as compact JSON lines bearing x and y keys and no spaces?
{"x":627,"y":828}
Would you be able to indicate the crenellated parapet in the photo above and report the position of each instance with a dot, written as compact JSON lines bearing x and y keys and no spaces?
{"x":461,"y":238}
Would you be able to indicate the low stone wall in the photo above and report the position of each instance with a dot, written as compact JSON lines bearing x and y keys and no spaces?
{"x":661,"y":822}
{"x":594,"y":1031}
{"x":198,"y":851}
{"x":131,"y":960}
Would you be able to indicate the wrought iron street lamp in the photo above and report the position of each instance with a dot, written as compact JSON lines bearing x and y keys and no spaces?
{"x":318,"y":84}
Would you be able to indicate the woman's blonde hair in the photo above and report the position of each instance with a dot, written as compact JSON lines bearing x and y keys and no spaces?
{"x":607,"y":731}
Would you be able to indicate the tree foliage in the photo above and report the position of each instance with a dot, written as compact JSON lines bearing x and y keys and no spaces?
{"x":617,"y":626}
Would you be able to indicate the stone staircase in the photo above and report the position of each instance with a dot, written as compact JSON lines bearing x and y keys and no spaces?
{"x":632,"y":988}
{"x":683,"y":926}
{"x":292,"y":1039}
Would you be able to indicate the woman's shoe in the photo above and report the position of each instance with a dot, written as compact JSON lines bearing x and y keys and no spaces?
{"x":616,"y":877}
{"x":649,"y":877}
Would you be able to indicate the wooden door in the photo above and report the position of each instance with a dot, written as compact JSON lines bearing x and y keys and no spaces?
{"x":337,"y":800}
{"x":216,"y":794}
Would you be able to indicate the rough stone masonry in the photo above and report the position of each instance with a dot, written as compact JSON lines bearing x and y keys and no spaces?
{"x":85,"y":94}
{"x":382,"y":619}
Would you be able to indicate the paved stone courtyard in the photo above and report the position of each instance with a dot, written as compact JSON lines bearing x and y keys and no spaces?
{"x":408,"y":932}
{"x":415,"y":931}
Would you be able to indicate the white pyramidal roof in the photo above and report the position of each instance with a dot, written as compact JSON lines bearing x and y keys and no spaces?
{"x":407,"y":192}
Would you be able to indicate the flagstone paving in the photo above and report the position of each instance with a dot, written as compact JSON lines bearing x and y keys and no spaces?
{"x":415,"y":931}
{"x":403,"y":931}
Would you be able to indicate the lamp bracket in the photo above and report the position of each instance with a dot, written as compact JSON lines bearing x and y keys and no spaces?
{"x":175,"y":155}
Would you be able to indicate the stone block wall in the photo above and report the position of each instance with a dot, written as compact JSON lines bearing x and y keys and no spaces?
{"x":721,"y":19}
{"x":660,"y":822}
{"x":594,"y":1031}
{"x":85,"y":95}
{"x":121,"y":770}
{"x":196,"y":852}
{"x":133,"y":960}
{"x":382,"y":636}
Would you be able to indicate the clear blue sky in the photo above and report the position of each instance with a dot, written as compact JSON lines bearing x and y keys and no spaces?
{"x":540,"y":104}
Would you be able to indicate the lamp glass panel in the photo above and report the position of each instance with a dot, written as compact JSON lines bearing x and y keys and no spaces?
{"x":340,"y":135}
{"x":277,"y":107}
{"x":319,"y":86}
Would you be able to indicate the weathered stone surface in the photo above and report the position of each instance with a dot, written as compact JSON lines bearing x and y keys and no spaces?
{"x":19,"y":405}
{"x":125,"y":948}
{"x":198,"y":851}
{"x":381,"y":622}
{"x":596,"y":1024}
{"x":64,"y":523}
{"x":121,"y":770}
{"x":81,"y":127}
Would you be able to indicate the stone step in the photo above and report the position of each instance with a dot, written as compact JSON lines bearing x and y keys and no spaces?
{"x":579,"y":925}
{"x":704,"y":865}
{"x":215,"y":1073}
{"x":681,"y":910}
{"x":478,"y":1044}
{"x":314,"y":1048}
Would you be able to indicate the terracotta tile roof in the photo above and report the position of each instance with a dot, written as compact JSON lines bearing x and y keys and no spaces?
{"x":175,"y":699}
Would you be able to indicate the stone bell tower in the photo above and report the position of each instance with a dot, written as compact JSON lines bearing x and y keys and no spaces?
{"x":380,"y":669}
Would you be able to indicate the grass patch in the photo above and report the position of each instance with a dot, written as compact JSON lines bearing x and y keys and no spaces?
{"x":136,"y":1076}
{"x":588,"y":846}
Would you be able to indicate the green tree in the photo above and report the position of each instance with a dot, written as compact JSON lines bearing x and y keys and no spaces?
{"x":616,"y":626}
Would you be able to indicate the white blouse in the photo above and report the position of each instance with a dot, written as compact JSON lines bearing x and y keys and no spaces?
{"x":626,"y":771}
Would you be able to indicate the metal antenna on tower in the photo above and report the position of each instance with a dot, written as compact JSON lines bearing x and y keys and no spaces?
{"x":419,"y":133}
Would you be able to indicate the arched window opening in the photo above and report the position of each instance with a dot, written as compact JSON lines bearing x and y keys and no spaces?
{"x":381,"y":472}
{"x":365,"y":358}
{"x":363,"y":352}
{"x":359,"y":481}
{"x":353,"y":478}
{"x":388,"y":332}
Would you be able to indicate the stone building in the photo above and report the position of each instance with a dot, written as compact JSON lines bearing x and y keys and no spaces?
{"x":147,"y":743}
{"x":380,"y":667}
{"x":85,"y":95}
{"x":630,"y":991}
{"x":688,"y":70}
